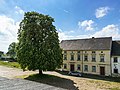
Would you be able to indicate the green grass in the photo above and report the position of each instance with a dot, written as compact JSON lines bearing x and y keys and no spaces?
{"x":115,"y":88}
{"x":10,"y":64}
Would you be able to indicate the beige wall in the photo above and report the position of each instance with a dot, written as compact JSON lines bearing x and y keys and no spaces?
{"x":105,"y":64}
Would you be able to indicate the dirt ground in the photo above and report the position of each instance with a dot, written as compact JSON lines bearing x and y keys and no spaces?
{"x":89,"y":84}
{"x":82,"y":83}
{"x":13,"y":72}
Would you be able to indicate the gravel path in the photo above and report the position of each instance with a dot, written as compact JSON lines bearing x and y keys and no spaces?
{"x":79,"y":82}
{"x":8,"y":81}
{"x":12,"y":72}
{"x":20,"y":84}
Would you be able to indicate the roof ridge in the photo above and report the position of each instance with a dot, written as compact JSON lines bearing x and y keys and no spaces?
{"x":87,"y":38}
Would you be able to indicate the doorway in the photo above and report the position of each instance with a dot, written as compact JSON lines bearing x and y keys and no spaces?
{"x":71,"y":67}
{"x":102,"y":70}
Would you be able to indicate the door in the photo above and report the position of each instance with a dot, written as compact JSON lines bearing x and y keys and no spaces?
{"x":71,"y":67}
{"x":102,"y":70}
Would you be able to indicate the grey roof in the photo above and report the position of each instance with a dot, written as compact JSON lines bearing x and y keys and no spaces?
{"x":116,"y":48}
{"x":103,"y":43}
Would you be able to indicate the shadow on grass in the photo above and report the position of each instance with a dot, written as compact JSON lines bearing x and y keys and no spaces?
{"x":53,"y":80}
{"x":97,"y":77}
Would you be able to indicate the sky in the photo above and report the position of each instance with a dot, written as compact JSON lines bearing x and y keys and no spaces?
{"x":74,"y":19}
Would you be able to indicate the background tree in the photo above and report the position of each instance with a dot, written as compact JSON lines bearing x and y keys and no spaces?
{"x":38,"y":46}
{"x":1,"y":53}
{"x":12,"y":50}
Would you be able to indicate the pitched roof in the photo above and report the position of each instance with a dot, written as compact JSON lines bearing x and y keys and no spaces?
{"x":115,"y":48}
{"x":103,"y":43}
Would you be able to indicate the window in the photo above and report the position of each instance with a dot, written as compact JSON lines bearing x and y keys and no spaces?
{"x":78,"y":67}
{"x":93,"y":52}
{"x":93,"y":68}
{"x":72,"y":55}
{"x":93,"y":58}
{"x":85,"y":58}
{"x":78,"y":52}
{"x":115,"y":59}
{"x":85,"y":67}
{"x":115,"y":70}
{"x":65,"y":57}
{"x":65,"y":52}
{"x":78,"y":57}
{"x":101,"y":58}
{"x":65,"y":66}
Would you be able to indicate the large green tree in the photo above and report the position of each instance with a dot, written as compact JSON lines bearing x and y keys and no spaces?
{"x":38,"y":46}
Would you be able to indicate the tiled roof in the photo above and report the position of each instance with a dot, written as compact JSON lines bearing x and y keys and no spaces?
{"x":116,"y":48}
{"x":103,"y":43}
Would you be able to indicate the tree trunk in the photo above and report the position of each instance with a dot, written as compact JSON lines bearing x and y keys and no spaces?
{"x":40,"y":72}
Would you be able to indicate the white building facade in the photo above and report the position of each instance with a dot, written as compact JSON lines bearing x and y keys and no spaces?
{"x":115,"y":59}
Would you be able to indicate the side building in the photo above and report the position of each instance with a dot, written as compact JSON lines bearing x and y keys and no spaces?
{"x":90,"y":56}
{"x":115,"y":59}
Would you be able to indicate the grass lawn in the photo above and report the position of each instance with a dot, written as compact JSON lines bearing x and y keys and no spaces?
{"x":10,"y":64}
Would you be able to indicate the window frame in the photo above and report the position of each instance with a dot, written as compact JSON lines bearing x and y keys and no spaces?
{"x":65,"y":66}
{"x":72,"y":56}
{"x":85,"y":59}
{"x":78,"y":57}
{"x":65,"y":57}
{"x":94,"y":58}
{"x":115,"y":59}
{"x":86,"y":68}
{"x":78,"y":67}
{"x":93,"y":68}
{"x":115,"y":71}
{"x":102,"y":59}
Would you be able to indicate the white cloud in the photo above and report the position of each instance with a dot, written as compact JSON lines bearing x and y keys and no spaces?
{"x":9,"y":27}
{"x":8,"y":31}
{"x":18,"y":10}
{"x":87,"y":24}
{"x":66,"y":11}
{"x":69,"y":35}
{"x":101,"y":12}
{"x":108,"y":31}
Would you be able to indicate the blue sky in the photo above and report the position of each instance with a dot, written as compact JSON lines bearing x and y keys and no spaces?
{"x":73,"y":18}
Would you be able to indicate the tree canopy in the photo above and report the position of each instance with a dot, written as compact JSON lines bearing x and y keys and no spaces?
{"x":38,"y":46}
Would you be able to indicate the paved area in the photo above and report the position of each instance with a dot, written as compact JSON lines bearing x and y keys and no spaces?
{"x":67,"y":82}
{"x":20,"y":84}
{"x":13,"y":72}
